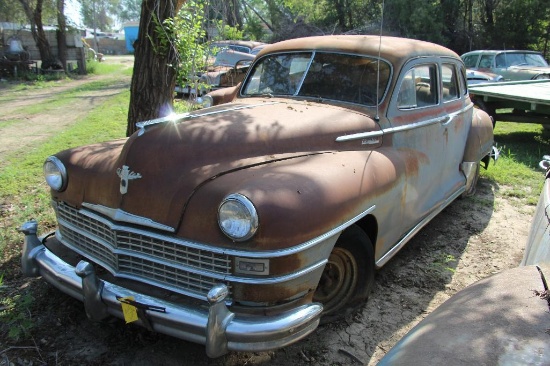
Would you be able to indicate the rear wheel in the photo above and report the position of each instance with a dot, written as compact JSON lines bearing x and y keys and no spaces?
{"x":348,"y":276}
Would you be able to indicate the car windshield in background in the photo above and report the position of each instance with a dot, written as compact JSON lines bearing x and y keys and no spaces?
{"x":508,"y":59}
{"x":346,"y":78}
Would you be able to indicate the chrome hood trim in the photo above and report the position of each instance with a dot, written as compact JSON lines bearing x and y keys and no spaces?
{"x":186,"y":116}
{"x":123,"y":216}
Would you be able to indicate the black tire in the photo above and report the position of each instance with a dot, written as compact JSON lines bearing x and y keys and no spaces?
{"x":348,"y":276}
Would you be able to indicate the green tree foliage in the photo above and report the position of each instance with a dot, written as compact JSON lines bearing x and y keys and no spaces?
{"x":225,"y":31}
{"x":99,"y":14}
{"x":461,"y":25}
{"x":13,"y":12}
{"x":421,"y":19}
{"x":129,"y":10}
{"x":518,"y":24}
{"x":188,"y":30}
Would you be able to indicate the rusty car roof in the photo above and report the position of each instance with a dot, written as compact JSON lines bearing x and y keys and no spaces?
{"x":391,"y":48}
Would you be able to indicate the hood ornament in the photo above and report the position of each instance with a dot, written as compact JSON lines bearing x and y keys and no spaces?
{"x":125,"y":176}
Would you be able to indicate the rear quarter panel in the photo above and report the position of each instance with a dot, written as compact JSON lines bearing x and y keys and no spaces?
{"x":480,"y":137}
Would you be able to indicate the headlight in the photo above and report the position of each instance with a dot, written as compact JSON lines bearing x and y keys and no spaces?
{"x":55,"y":174}
{"x":237,"y":217}
{"x":205,"y":101}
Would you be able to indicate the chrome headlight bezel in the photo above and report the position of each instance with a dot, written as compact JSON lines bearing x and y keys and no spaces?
{"x":206,"y":101}
{"x":55,"y":174}
{"x":237,"y":217}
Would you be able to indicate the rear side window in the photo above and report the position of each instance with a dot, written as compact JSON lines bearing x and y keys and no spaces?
{"x":450,"y":82}
{"x":418,"y":88}
{"x":463,"y":82}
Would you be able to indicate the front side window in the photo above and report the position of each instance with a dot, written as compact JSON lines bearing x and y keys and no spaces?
{"x":418,"y":88}
{"x":470,"y":60}
{"x":330,"y":76}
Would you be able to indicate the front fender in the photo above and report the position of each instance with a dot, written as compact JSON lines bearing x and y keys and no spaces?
{"x":224,"y":95}
{"x":296,"y":199}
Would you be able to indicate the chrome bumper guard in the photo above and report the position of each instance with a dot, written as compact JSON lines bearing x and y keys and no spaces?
{"x":217,"y":328}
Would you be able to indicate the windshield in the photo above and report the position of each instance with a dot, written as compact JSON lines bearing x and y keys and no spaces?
{"x":346,"y":78}
{"x":508,"y":59}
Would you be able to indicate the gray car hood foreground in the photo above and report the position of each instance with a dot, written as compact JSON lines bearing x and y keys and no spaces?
{"x":500,"y":320}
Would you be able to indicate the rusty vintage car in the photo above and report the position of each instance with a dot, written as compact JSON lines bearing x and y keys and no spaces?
{"x":242,"y":225}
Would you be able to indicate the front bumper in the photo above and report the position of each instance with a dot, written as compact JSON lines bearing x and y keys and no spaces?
{"x":219,"y":329}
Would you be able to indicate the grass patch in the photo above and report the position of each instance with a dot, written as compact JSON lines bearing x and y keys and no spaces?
{"x":105,"y":68}
{"x":14,"y":313}
{"x":24,"y":193}
{"x":66,"y":97}
{"x":8,"y":122}
{"x":522,"y":146}
{"x":46,"y":81}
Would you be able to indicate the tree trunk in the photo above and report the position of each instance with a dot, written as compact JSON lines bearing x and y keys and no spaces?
{"x":37,"y":31}
{"x":62,"y":34}
{"x":153,"y":79}
{"x":232,"y":14}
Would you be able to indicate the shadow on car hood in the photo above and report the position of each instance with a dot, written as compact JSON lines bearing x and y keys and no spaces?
{"x":162,"y":166}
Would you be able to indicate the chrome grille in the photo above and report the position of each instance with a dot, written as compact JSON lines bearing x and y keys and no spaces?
{"x":142,"y":255}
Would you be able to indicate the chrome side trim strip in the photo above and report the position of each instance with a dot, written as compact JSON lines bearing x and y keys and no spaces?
{"x":309,"y":243}
{"x":121,"y":215}
{"x":411,"y":126}
{"x":386,"y":257}
{"x":359,"y":136}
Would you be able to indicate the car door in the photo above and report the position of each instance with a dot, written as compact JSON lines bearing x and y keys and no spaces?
{"x":455,"y":125}
{"x":418,"y":134}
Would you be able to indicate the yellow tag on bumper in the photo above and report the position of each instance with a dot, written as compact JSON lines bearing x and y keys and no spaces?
{"x":129,"y":311}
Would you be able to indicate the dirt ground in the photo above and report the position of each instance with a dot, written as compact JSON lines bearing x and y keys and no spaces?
{"x":471,"y":239}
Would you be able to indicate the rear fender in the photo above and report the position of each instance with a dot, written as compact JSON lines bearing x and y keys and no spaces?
{"x":480,"y":138}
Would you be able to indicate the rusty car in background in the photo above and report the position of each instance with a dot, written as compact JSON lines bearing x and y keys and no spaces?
{"x":512,"y":65}
{"x":226,"y":65}
{"x":474,"y":77}
{"x":240,"y":225}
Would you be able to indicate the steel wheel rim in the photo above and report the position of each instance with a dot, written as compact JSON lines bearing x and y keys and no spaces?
{"x":338,"y":280}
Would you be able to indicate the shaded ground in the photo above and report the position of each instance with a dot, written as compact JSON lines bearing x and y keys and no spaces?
{"x":471,"y":239}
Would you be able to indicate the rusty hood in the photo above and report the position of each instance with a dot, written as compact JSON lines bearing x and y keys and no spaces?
{"x":153,"y":174}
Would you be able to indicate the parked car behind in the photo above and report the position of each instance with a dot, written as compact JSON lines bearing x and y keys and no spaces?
{"x":228,"y":62}
{"x":500,"y":320}
{"x":240,"y":225}
{"x":511,"y":65}
{"x":538,"y":243}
